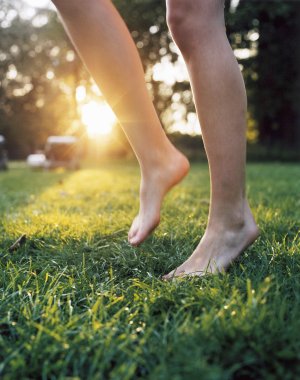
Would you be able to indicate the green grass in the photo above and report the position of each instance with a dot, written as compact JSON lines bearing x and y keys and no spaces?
{"x":77,"y":302}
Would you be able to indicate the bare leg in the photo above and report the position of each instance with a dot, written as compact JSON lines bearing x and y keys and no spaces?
{"x":106,"y":47}
{"x":198,"y":29}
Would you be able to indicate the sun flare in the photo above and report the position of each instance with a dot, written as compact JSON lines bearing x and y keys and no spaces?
{"x":98,"y":118}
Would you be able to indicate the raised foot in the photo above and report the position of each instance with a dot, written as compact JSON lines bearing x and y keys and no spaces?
{"x":155,"y":184}
{"x":218,"y":248}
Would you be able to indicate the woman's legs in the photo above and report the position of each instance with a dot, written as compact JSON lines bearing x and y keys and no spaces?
{"x":109,"y":53}
{"x":107,"y":49}
{"x":198,"y":29}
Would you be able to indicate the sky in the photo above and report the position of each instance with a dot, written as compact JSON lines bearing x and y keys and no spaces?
{"x":164,"y":70}
{"x":39,"y":3}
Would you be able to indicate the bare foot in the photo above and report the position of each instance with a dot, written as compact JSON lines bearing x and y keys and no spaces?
{"x":218,"y":248}
{"x":155,"y":184}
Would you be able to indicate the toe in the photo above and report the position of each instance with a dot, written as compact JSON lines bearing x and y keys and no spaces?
{"x":143,"y":232}
{"x":133,"y":229}
{"x":132,"y":233}
{"x":173,"y":274}
{"x":138,"y":238}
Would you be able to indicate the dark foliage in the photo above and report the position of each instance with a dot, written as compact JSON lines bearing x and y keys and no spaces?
{"x":39,"y":71}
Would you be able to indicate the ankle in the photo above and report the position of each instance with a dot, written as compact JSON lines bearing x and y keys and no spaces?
{"x":234,"y":218}
{"x":160,"y":160}
{"x":221,"y":225}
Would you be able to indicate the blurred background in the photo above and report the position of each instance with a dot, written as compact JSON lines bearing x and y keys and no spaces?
{"x":46,"y":91}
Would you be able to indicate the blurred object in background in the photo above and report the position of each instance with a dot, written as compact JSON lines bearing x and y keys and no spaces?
{"x":3,"y":154}
{"x":36,"y":161}
{"x":62,"y":151}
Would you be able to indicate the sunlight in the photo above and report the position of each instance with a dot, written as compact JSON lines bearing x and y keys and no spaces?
{"x":98,"y":118}
{"x":80,"y":93}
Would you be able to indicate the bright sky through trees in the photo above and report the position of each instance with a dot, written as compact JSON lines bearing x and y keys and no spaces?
{"x":39,"y":3}
{"x":163,"y":71}
{"x":98,"y":118}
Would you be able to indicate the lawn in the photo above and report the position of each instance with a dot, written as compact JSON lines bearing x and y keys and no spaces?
{"x":77,"y":302}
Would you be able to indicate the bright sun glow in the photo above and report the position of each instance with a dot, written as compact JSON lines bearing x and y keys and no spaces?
{"x":98,"y":118}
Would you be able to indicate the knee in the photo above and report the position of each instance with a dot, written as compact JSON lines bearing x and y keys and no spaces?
{"x":192,"y":21}
{"x":66,"y":6}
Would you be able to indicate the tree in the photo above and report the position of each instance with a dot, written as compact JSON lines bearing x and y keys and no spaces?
{"x":39,"y":72}
{"x":273,"y":75}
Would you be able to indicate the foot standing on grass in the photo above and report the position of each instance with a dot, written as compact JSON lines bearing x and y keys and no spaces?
{"x":197,"y":26}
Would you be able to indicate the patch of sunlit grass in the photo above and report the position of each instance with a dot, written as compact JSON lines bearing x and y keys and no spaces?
{"x":78,"y":302}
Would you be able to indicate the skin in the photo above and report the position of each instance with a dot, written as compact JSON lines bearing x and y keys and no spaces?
{"x":112,"y":59}
{"x":197,"y":27}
